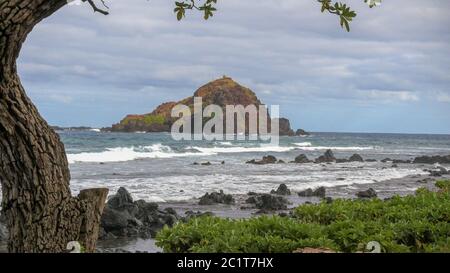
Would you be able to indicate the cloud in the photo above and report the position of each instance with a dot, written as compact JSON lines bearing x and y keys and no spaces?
{"x":391,"y":96}
{"x":61,"y":98}
{"x":442,"y":97}
{"x":140,"y":56}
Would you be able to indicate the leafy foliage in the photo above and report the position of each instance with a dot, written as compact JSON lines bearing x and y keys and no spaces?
{"x":419,"y":223}
{"x":154,"y":119}
{"x":149,"y":119}
{"x":207,"y":8}
{"x":340,"y":9}
{"x":344,"y":12}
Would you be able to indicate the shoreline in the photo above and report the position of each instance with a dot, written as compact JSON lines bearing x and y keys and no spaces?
{"x":240,"y":209}
{"x":385,"y":189}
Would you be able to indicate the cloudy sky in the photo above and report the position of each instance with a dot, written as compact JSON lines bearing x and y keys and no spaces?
{"x":391,"y":73}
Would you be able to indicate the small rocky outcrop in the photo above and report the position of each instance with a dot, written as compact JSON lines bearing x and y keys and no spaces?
{"x":356,"y":158}
{"x":342,"y":160}
{"x":328,"y":156}
{"x":269,"y":159}
{"x":121,"y":200}
{"x":401,"y":161}
{"x":268,"y":202}
{"x":206,"y":163}
{"x":302,"y":159}
{"x":370,"y":193}
{"x":282,"y":190}
{"x":301,"y":132}
{"x":123,"y":217}
{"x":432,"y":159}
{"x":216,"y":198}
{"x":438,"y":171}
{"x":370,"y":160}
{"x":285,"y":127}
{"x":319,"y":192}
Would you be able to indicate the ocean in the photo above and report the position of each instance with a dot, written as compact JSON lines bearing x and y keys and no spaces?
{"x":154,"y":167}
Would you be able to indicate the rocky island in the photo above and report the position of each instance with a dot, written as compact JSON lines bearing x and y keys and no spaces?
{"x":222,"y":92}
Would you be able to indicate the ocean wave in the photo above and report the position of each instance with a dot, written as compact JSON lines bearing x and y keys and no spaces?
{"x":121,"y":154}
{"x":168,"y":188}
{"x":303,"y":144}
{"x":336,"y":148}
{"x":226,"y":143}
{"x":240,"y":149}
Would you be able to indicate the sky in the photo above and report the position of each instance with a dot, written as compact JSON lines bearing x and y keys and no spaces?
{"x":390,"y":74}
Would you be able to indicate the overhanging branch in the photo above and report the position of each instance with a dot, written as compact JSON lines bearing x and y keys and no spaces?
{"x":97,"y":9}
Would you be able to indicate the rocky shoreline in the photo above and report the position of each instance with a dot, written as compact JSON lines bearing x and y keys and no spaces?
{"x":128,"y":222}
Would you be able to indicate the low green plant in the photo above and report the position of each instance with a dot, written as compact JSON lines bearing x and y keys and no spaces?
{"x":416,"y":223}
{"x":154,"y":119}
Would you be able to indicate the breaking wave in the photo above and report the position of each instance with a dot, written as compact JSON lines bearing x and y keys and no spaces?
{"x":120,"y":154}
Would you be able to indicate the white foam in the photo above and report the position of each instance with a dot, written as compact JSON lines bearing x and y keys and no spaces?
{"x":303,"y":144}
{"x":337,"y":148}
{"x":226,"y":143}
{"x":168,"y":188}
{"x":217,"y":150}
{"x":120,"y":154}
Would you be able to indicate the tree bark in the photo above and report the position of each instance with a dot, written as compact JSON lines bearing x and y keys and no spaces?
{"x":42,"y":215}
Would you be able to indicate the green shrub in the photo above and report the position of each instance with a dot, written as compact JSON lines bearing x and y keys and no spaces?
{"x":419,"y":223}
{"x":154,"y":119}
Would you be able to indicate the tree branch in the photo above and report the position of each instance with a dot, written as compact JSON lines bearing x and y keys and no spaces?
{"x":97,"y":9}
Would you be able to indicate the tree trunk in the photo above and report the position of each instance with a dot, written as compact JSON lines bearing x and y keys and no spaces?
{"x":41,"y":214}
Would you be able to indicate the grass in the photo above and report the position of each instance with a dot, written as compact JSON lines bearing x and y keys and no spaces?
{"x":416,"y":223}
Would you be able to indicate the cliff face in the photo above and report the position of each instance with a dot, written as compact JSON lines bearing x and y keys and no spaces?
{"x":221,"y":92}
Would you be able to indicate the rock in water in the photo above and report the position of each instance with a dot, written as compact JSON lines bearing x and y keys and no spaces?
{"x":319,"y":192}
{"x":438,"y":171}
{"x":115,"y":221}
{"x":306,"y":193}
{"x":370,"y":193}
{"x":123,"y":217}
{"x":356,"y":158}
{"x":301,"y":159}
{"x":216,"y":198}
{"x":285,"y":127}
{"x":371,"y":160}
{"x":327,"y":157}
{"x":282,"y":190}
{"x":342,"y":160}
{"x":432,"y":159}
{"x":301,"y":132}
{"x":268,"y":202}
{"x":120,"y":200}
{"x":400,"y":161}
{"x":269,"y":159}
